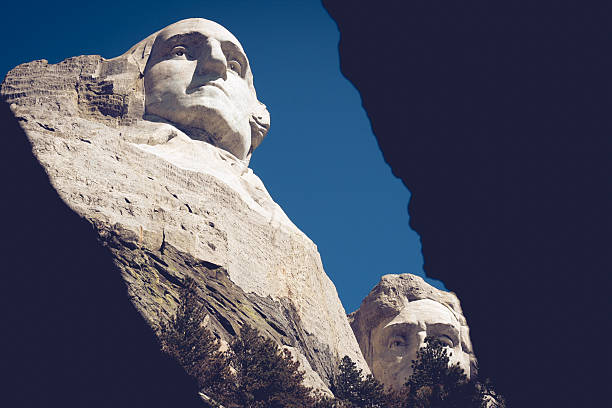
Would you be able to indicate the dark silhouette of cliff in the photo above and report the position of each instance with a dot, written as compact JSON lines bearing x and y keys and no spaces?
{"x":70,"y":336}
{"x":496,"y":116}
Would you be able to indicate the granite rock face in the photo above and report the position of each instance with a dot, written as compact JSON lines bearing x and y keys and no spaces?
{"x":395,"y":318}
{"x":169,"y":204}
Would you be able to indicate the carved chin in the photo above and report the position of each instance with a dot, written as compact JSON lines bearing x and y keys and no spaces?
{"x":218,"y":125}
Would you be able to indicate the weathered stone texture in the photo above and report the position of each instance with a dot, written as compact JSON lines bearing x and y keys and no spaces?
{"x":169,"y":206}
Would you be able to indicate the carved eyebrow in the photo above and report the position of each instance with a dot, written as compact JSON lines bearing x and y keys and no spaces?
{"x":229,"y":48}
{"x":166,"y":44}
{"x":182,"y":37}
{"x":189,"y":39}
{"x":399,"y":329}
{"x":444,"y":329}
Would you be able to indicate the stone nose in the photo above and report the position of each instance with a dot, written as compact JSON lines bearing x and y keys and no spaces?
{"x":420,"y":338}
{"x":212,"y":62}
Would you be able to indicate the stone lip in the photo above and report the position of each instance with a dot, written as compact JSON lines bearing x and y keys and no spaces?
{"x":164,"y":190}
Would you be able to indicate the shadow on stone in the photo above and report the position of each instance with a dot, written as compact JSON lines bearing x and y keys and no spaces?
{"x":70,"y":336}
{"x":497,"y":119}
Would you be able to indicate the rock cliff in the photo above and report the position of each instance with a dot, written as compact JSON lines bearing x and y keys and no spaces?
{"x":168,"y":206}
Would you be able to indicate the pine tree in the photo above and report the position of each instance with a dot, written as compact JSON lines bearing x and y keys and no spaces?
{"x":265,"y":376}
{"x":489,"y":396}
{"x":255,"y":373}
{"x":195,"y":348}
{"x":435,"y":384}
{"x":352,"y":389}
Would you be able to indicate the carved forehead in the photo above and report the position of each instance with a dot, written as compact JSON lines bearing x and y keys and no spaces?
{"x":425,"y":311}
{"x":198,"y":26}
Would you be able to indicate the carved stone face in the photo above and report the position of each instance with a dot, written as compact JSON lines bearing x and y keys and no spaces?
{"x":198,"y":77}
{"x":395,"y":341}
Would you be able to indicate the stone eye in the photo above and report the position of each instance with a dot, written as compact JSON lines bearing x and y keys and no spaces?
{"x":396,"y":342}
{"x":446,"y":341}
{"x":178,"y":51}
{"x":235,"y":66}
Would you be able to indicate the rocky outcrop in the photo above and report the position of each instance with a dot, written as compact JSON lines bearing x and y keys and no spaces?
{"x":154,"y":275}
{"x":168,"y":206}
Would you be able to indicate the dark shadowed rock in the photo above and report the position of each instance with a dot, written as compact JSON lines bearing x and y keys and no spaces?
{"x":70,"y":335}
{"x":496,"y":117}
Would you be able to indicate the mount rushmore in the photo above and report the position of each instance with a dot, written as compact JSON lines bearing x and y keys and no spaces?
{"x":152,"y":148}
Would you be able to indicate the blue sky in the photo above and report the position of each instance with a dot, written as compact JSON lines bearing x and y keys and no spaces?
{"x":320,"y":160}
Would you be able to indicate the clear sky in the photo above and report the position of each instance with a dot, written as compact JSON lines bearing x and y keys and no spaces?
{"x":320,"y":160}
